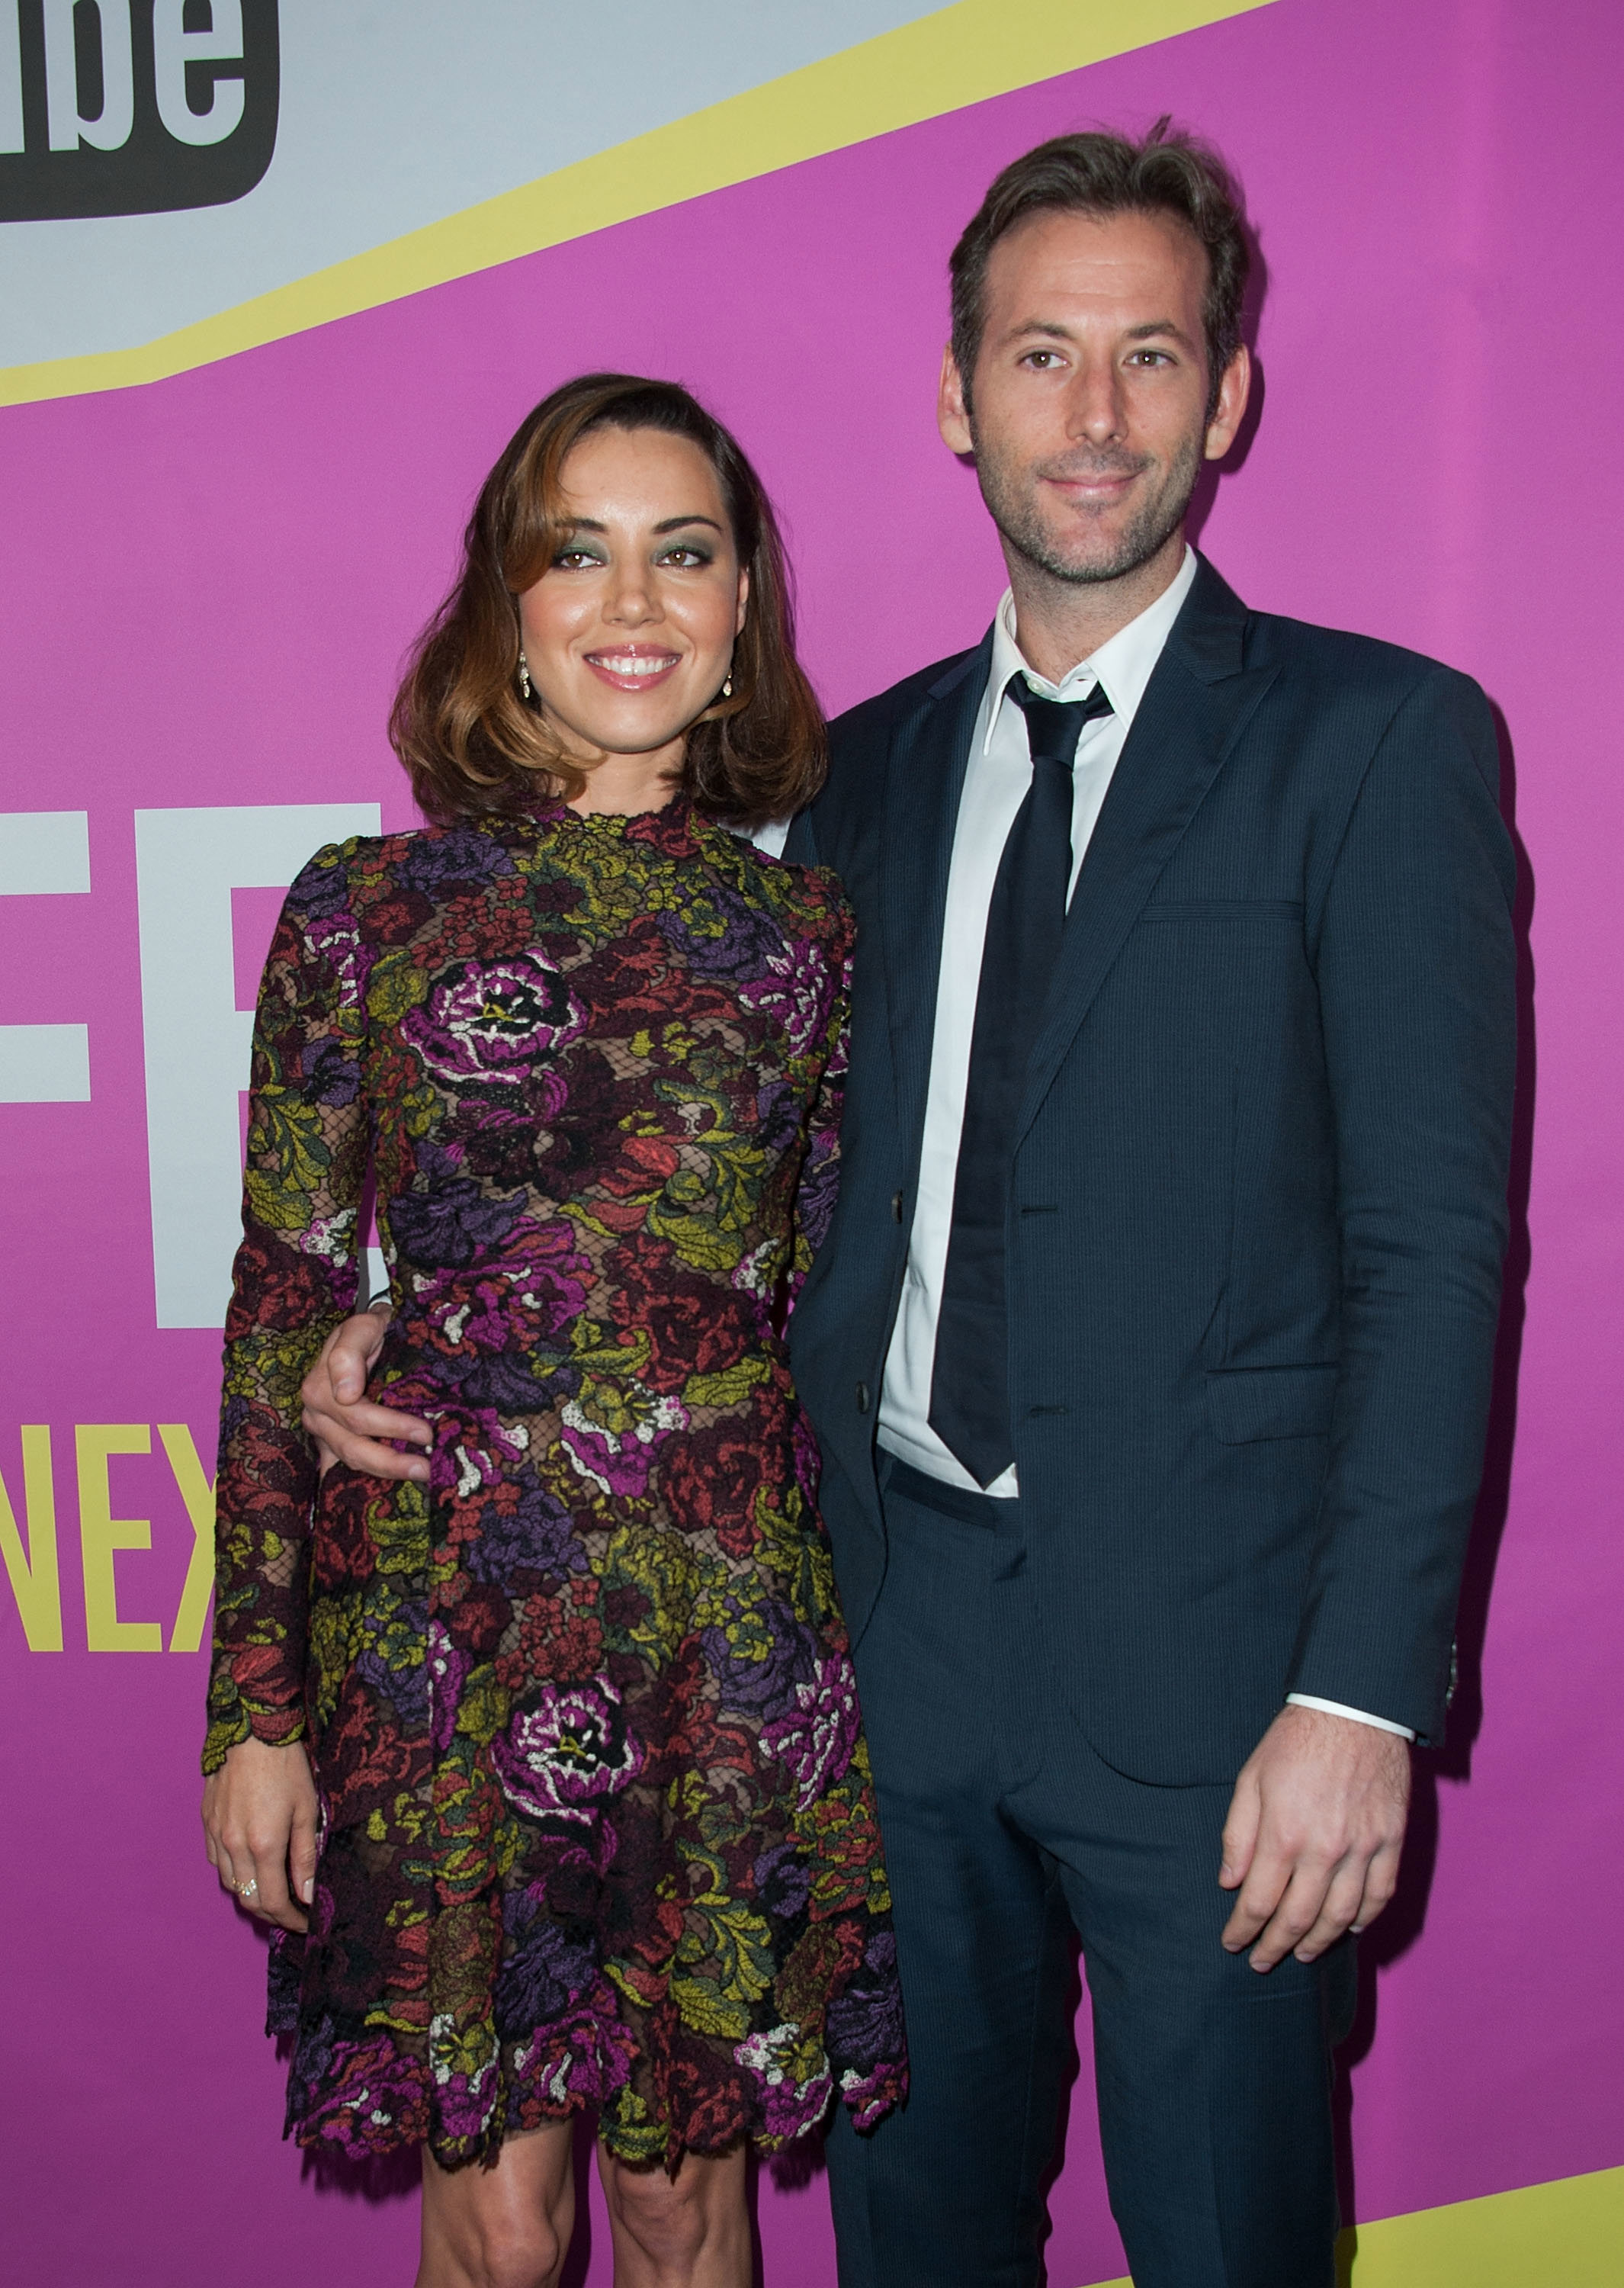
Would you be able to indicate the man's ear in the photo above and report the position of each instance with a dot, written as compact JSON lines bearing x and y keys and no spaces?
{"x":1233,"y":391}
{"x":951,"y":417}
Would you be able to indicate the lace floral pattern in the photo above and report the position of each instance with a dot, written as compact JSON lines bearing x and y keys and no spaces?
{"x":598,"y":1827}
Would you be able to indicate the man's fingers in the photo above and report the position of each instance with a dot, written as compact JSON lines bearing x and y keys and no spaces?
{"x":1339,"y":1911}
{"x":350,"y":1353}
{"x":1240,"y":1830}
{"x":1265,"y":1884}
{"x":366,"y":1420}
{"x":1296,"y":1914}
{"x":346,"y":1426}
{"x":1380,"y":1882}
{"x":356,"y":1437}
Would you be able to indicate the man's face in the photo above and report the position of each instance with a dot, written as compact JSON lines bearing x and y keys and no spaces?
{"x":1089,"y":422}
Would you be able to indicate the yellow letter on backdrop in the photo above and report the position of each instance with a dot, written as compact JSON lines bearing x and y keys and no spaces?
{"x":101,"y":1533}
{"x":198,"y":1495}
{"x":34,"y":1582}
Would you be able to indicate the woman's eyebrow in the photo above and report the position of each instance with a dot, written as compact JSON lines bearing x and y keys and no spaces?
{"x":668,"y":524}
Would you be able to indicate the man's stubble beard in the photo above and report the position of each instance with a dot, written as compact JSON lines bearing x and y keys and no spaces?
{"x":1014,"y":511}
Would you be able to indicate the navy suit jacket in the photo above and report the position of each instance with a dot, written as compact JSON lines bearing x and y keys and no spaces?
{"x":1257,"y":1218}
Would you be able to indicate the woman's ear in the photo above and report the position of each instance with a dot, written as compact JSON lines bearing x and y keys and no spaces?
{"x":744,"y":597}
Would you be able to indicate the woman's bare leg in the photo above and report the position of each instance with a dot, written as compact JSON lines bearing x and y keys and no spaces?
{"x":505,"y":2227}
{"x":693,"y":2231}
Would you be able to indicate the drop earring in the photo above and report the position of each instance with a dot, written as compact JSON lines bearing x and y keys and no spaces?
{"x":727,"y":685}
{"x":524,"y":678}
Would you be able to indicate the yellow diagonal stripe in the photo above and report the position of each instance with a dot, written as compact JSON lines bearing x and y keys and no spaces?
{"x":958,"y":56}
{"x":1565,"y":2235}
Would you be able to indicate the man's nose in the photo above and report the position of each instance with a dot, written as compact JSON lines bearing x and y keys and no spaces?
{"x":1096,"y":406}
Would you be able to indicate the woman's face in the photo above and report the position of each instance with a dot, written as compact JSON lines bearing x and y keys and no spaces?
{"x":629,"y":632}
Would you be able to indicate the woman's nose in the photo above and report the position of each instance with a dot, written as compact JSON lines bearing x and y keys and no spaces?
{"x":631,"y":599}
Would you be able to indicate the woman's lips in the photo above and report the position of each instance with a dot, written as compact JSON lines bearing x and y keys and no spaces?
{"x":630,"y":667}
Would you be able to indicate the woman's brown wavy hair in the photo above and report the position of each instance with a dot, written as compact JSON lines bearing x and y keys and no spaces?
{"x":474,"y":748}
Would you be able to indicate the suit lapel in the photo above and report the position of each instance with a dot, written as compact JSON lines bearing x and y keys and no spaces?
{"x":929,"y":751}
{"x":1198,"y":700}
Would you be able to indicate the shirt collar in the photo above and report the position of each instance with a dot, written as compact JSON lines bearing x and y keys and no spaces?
{"x":1123,"y":665}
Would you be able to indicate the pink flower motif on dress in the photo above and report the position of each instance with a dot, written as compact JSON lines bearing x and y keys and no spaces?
{"x":816,"y":1743}
{"x":560,"y":1757}
{"x":789,"y":2108}
{"x":620,"y":1458}
{"x":795,"y":992}
{"x":581,"y":2059}
{"x":486,"y":1020}
{"x":448,"y":1667}
{"x":466,"y":2087}
{"x":372,"y":2099}
{"x":535,"y":1287}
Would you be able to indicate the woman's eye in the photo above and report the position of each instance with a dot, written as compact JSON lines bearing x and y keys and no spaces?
{"x":571,"y":559}
{"x":685,"y":558}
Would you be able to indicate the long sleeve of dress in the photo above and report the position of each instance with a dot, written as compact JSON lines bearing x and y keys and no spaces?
{"x":296,"y":1276}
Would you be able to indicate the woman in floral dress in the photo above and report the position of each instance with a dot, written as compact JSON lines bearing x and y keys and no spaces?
{"x":547,"y":1764}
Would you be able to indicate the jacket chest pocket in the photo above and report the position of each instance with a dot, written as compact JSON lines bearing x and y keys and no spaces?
{"x":1248,"y":1404}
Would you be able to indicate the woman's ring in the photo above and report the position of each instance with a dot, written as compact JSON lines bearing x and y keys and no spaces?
{"x":247,"y":1890}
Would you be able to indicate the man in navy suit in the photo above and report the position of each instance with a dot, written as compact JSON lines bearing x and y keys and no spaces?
{"x":1150,"y":1350}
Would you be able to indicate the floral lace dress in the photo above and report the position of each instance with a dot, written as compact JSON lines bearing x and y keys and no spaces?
{"x":596,"y":1823}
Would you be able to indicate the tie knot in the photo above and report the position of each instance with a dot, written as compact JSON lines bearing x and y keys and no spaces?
{"x":1055,"y":725}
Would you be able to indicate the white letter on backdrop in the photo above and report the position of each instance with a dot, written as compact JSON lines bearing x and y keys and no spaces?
{"x":11,"y":77}
{"x":187,"y":862}
{"x":109,"y":130}
{"x":44,"y":854}
{"x":173,"y":48}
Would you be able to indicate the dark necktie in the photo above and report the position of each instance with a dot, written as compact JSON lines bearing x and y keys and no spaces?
{"x":969,"y":1383}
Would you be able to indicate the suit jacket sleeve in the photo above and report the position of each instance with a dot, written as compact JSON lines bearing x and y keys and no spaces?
{"x":1416,"y":965}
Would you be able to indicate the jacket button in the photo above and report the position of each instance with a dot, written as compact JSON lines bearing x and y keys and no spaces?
{"x":896,"y":1207}
{"x":862,"y":1398}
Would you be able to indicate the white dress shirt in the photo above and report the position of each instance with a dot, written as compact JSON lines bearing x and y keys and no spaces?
{"x":996,"y":779}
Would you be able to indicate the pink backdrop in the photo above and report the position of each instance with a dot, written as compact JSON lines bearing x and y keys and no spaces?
{"x":208,"y":583}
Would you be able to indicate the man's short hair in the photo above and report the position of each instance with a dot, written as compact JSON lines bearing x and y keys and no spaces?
{"x":1101,"y":174}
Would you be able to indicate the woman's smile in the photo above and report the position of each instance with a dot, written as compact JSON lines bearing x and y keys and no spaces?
{"x":632,"y":666}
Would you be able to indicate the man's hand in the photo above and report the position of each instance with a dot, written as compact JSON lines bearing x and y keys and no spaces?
{"x":339,"y":1416}
{"x":259,"y":1819}
{"x":1315,"y":1828}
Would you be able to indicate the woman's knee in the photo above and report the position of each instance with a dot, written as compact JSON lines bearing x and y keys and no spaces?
{"x":671,"y":2220}
{"x":492,"y":2254}
{"x":507,"y":2227}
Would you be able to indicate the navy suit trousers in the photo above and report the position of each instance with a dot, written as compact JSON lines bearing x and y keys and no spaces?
{"x":1005,"y":1834}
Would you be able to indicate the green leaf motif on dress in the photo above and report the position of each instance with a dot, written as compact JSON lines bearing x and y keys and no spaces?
{"x":731,"y":1387}
{"x":397,"y":983}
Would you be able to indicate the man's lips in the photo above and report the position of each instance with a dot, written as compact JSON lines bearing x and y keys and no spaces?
{"x":633,"y":667}
{"x":1094,"y":484}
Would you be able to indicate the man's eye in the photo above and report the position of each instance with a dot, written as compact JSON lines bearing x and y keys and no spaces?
{"x":1042,"y":360}
{"x":1150,"y":357}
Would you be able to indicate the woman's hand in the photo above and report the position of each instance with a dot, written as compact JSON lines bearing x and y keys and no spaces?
{"x":259,"y":1816}
{"x":339,"y":1416}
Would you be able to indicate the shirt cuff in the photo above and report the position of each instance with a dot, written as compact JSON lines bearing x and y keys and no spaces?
{"x":1356,"y":1715}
